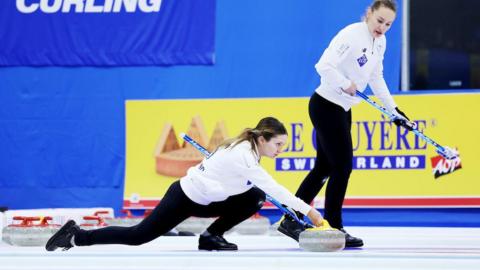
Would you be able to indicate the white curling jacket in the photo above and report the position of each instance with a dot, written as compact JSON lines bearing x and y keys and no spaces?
{"x":353,"y":56}
{"x":233,"y":171}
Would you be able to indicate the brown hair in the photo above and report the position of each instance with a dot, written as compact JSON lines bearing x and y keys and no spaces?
{"x":268,"y":127}
{"x":390,"y":4}
{"x":376,"y":4}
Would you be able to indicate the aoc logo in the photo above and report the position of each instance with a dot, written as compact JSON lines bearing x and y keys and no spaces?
{"x":442,"y":166}
{"x":88,"y":6}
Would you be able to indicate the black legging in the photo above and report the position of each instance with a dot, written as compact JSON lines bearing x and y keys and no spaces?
{"x":334,"y":157}
{"x":173,"y":209}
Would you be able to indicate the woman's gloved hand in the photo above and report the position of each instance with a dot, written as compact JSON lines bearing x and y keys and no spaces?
{"x":403,"y":120}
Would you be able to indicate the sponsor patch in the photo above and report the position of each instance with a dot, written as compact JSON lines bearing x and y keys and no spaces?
{"x":362,"y":60}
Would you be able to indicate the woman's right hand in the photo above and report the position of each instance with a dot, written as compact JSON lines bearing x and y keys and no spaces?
{"x":352,"y":90}
{"x":315,"y":217}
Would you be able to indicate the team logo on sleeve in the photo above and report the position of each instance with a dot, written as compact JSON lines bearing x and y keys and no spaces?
{"x":362,"y":60}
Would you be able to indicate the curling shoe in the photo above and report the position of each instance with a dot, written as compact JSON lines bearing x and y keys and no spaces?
{"x":215,"y":242}
{"x":63,"y":238}
{"x":291,"y":228}
{"x":351,"y":241}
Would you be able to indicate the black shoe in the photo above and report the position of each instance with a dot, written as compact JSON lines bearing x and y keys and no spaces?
{"x":63,"y":238}
{"x":291,"y":228}
{"x":215,"y":242}
{"x":351,"y":241}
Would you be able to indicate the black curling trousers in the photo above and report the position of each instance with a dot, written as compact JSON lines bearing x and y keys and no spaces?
{"x":173,"y":209}
{"x":334,"y":158}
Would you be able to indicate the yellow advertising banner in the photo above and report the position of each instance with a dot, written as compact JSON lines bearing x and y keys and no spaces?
{"x":392,"y":167}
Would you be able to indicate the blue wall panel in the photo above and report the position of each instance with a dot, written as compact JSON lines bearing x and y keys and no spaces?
{"x":62,"y":130}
